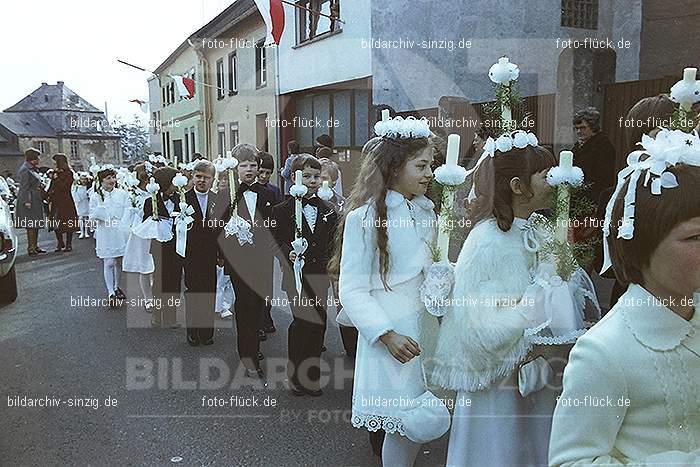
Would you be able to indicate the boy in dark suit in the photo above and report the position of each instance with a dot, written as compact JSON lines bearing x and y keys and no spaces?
{"x":202,"y":254}
{"x":167,"y":274}
{"x":247,"y":263}
{"x":319,"y":223}
{"x":267,"y":167}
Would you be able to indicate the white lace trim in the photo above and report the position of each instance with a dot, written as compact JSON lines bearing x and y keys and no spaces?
{"x":378,"y":422}
{"x":568,"y":338}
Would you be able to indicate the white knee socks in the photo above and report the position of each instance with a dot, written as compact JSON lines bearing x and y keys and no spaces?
{"x":111,"y":273}
{"x":146,"y":290}
{"x":399,"y":451}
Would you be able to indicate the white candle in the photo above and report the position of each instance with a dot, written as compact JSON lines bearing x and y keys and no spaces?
{"x":503,"y":60}
{"x":385,"y":115}
{"x":297,"y":204}
{"x":325,"y":185}
{"x":452,"y":149}
{"x":443,"y":237}
{"x":566,"y":159}
{"x":689,"y":74}
{"x":228,"y":154}
{"x":688,"y":77}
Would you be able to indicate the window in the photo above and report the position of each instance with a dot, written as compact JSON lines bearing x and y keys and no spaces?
{"x":349,"y":108}
{"x":260,"y":64}
{"x":192,"y":146}
{"x":234,"y":134}
{"x":311,"y":25}
{"x":232,"y":70}
{"x":41,"y":146}
{"x":579,"y":14}
{"x":220,"y":78}
{"x":172,"y":92}
{"x":163,"y":96}
{"x":74,"y":149}
{"x":221,"y":129}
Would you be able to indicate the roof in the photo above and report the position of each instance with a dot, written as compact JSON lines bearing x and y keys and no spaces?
{"x":234,"y":13}
{"x":53,"y":97}
{"x":26,"y":124}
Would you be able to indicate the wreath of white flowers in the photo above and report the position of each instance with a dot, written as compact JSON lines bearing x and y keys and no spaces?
{"x":402,"y":128}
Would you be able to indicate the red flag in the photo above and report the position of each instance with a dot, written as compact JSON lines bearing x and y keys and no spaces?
{"x":185,"y":86}
{"x":272,"y":13}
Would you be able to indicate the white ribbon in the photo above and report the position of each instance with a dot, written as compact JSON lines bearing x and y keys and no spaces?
{"x":655,"y":166}
{"x":183,"y":219}
{"x":240,"y":228}
{"x":299,"y":246}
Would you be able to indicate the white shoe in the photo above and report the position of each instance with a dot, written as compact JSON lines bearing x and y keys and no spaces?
{"x":81,"y":236}
{"x":226,"y":314}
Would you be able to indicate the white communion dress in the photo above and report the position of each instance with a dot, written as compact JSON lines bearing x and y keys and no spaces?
{"x":483,"y":341}
{"x":110,"y":240}
{"x":382,"y":385}
{"x":137,"y":257}
{"x":631,"y":389}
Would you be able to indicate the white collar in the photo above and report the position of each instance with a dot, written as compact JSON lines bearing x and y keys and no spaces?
{"x":200,"y":194}
{"x":653,"y":324}
{"x":394,"y":199}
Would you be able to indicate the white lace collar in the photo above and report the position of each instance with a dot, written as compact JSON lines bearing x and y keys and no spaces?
{"x":653,"y":324}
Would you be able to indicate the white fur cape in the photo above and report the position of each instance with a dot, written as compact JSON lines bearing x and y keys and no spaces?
{"x":482,"y":335}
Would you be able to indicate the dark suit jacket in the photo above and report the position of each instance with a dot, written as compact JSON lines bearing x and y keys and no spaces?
{"x":250,"y":263}
{"x":202,"y":240}
{"x":596,"y":157}
{"x":321,"y":240}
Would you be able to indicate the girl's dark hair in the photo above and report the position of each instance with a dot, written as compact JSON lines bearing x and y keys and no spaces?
{"x":164,"y":177}
{"x":654,"y":217}
{"x":104,"y":173}
{"x":61,"y":161}
{"x":141,"y":173}
{"x":382,"y":159}
{"x":494,"y":197}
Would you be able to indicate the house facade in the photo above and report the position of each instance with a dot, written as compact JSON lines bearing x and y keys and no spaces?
{"x":55,"y":119}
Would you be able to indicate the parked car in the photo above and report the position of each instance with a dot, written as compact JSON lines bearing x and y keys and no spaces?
{"x":8,"y":252}
{"x":8,"y":192}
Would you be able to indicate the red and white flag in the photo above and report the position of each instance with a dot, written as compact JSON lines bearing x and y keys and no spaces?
{"x":272,"y":13}
{"x":185,"y":86}
{"x":142,"y":104}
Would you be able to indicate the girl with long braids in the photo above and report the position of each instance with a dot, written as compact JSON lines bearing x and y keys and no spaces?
{"x":382,"y":251}
{"x":483,"y":338}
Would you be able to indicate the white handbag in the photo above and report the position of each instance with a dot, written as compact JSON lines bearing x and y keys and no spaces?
{"x":427,"y":419}
{"x":534,"y":375}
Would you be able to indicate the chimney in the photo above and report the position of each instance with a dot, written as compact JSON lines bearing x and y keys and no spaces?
{"x":44,"y":84}
{"x":59,"y":83}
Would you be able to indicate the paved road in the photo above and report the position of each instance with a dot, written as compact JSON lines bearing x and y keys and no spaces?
{"x":53,"y":347}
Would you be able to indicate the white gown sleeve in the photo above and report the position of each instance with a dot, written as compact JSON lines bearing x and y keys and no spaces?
{"x":355,"y":276}
{"x":98,"y":211}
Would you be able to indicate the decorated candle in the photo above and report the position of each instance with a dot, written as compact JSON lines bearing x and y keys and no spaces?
{"x":566,"y":162}
{"x":297,"y":203}
{"x":443,"y":240}
{"x":385,"y":115}
{"x":689,"y":77}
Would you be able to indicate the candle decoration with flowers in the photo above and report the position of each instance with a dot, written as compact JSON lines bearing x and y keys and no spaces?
{"x":300,"y":244}
{"x":183,"y":216}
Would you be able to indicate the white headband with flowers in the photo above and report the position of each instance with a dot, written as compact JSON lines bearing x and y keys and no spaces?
{"x":518,"y":139}
{"x":402,"y":128}
{"x":669,"y":148}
